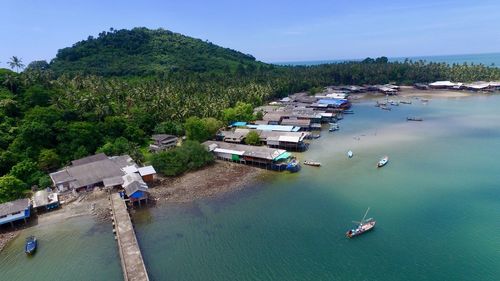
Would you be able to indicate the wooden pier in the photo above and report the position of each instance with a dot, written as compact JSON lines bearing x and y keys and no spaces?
{"x":131,"y":258}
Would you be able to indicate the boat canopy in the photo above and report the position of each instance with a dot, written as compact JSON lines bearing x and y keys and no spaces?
{"x":283,"y":155}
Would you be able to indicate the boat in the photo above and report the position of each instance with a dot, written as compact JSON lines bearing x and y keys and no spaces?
{"x":385,"y":107}
{"x":312,"y":163}
{"x":315,"y":136}
{"x":424,"y":100}
{"x":349,"y":154}
{"x":30,"y":246}
{"x":414,"y":119}
{"x":293,"y":166}
{"x":405,"y":102}
{"x":383,"y":161}
{"x":395,"y":103}
{"x":348,"y":111}
{"x":363,"y":226}
{"x":333,"y":127}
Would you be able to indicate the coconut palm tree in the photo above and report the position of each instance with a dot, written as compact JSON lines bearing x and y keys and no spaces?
{"x":16,"y":63}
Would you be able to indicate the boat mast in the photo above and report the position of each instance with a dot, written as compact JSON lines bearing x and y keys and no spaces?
{"x":363,"y":219}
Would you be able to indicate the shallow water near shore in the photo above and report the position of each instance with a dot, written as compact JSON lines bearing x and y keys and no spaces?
{"x":436,"y":203}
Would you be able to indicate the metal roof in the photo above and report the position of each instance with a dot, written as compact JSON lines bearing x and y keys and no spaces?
{"x":147,"y":170}
{"x":13,"y":207}
{"x":89,"y":159}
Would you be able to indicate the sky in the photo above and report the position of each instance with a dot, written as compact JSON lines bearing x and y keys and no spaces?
{"x":272,"y":31}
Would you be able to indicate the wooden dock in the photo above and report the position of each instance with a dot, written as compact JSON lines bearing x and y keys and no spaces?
{"x":131,"y":258}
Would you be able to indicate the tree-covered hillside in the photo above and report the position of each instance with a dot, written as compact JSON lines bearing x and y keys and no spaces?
{"x":143,"y":52}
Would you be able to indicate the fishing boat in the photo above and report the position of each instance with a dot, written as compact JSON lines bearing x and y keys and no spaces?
{"x":315,"y":136}
{"x":385,"y":107}
{"x":30,"y":246}
{"x":405,"y":102}
{"x":414,"y":119}
{"x":312,"y":163}
{"x":293,"y":166}
{"x":349,"y":154}
{"x":333,"y":127}
{"x":395,"y":103}
{"x":363,"y":226}
{"x":383,"y":161}
{"x":348,"y":111}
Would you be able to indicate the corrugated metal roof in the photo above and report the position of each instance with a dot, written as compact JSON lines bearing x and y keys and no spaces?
{"x":230,"y":151}
{"x":147,"y":170}
{"x":13,"y":207}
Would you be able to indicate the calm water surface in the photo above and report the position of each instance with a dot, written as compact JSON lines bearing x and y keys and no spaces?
{"x":437,"y":206}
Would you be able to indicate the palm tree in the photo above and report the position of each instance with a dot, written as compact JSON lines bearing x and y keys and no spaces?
{"x":15,"y":62}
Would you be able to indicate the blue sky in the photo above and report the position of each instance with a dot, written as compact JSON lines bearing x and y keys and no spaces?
{"x":272,"y":31}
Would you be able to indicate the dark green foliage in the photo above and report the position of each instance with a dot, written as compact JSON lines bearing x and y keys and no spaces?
{"x":145,"y":52}
{"x":241,"y":112}
{"x":188,"y":157}
{"x":27,"y":171}
{"x":252,"y":138}
{"x":11,"y":188}
{"x":170,"y":127}
{"x":48,"y":160}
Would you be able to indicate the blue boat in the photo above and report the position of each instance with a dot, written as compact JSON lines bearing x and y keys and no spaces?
{"x":31,"y":245}
{"x":293,"y":166}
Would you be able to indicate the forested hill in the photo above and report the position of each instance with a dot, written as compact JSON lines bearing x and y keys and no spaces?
{"x":144,"y":52}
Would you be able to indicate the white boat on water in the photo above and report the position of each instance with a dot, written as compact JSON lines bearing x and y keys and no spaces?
{"x":383,"y":161}
{"x":349,"y":154}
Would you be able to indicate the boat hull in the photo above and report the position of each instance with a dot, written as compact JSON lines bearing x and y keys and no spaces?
{"x":361,"y":230}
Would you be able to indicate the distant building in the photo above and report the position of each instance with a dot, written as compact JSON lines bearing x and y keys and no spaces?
{"x":445,"y":85}
{"x":13,"y":211}
{"x":163,"y":142}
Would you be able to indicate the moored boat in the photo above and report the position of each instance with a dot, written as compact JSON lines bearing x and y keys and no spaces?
{"x":348,"y":111}
{"x":383,"y":161}
{"x":293,"y":166}
{"x":363,"y":226}
{"x":312,"y":163}
{"x":349,"y":154}
{"x":333,"y":127}
{"x":31,"y":245}
{"x":385,"y":107}
{"x":414,"y":119}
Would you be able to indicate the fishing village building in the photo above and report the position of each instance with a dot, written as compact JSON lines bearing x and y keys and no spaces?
{"x":274,"y":139}
{"x":45,"y":200}
{"x":264,"y":157}
{"x":16,"y":210}
{"x":163,"y":142}
{"x":109,"y":172}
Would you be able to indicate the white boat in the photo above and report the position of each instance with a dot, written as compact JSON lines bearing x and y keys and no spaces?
{"x":349,"y":154}
{"x":383,"y":161}
{"x":312,"y":163}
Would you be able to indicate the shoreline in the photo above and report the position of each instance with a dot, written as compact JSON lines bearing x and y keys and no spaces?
{"x":212,"y":181}
{"x":411,"y":92}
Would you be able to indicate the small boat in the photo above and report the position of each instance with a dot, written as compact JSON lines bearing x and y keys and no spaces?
{"x":414,"y":119}
{"x":348,"y":111}
{"x":30,"y":246}
{"x":363,"y":226}
{"x":333,"y":127}
{"x":349,"y":154}
{"x":315,"y":136}
{"x":383,"y":161}
{"x":424,"y":100}
{"x":395,"y":103}
{"x":405,"y":102}
{"x":385,"y":107}
{"x":293,"y":166}
{"x":312,"y":163}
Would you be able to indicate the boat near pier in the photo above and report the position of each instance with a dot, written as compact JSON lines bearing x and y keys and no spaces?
{"x":312,"y":163}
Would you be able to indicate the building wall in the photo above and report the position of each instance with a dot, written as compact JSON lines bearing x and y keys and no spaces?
{"x":14,"y":217}
{"x":148,"y":178}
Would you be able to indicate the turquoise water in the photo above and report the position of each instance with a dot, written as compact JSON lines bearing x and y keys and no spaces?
{"x":437,"y":206}
{"x":492,"y":59}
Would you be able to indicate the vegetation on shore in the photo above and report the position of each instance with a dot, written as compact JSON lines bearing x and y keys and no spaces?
{"x":110,"y":93}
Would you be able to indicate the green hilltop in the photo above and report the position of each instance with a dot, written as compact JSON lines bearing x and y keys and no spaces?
{"x":144,"y":52}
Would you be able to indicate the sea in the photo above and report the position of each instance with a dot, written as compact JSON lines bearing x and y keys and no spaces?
{"x":490,"y":59}
{"x":436,"y":203}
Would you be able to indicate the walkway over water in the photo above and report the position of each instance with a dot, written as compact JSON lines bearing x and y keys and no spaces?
{"x":130,"y":253}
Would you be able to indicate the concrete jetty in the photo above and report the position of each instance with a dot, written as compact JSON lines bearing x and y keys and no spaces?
{"x":131,"y":258}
